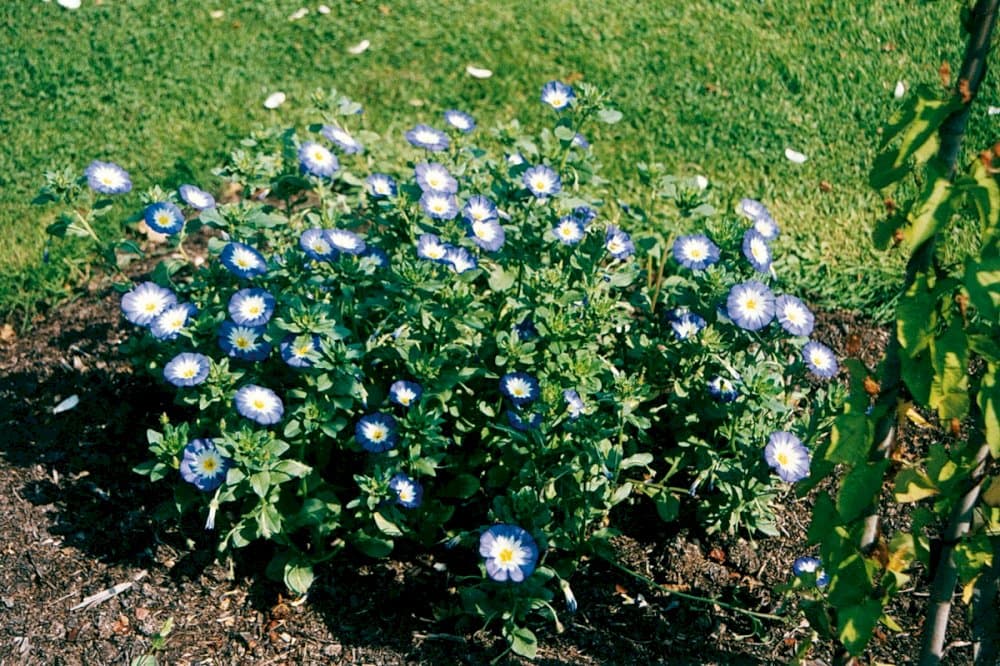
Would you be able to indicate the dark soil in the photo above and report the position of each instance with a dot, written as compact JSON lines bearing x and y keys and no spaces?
{"x":75,"y":520}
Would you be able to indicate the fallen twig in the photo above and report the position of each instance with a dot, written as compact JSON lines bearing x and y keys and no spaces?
{"x":104,"y":595}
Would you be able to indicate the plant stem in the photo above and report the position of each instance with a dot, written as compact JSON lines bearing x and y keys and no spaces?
{"x":986,"y":611}
{"x":709,"y":601}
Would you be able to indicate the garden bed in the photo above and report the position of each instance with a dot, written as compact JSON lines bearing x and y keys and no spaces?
{"x":75,"y":520}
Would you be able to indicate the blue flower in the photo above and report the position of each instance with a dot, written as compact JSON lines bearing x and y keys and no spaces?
{"x":618,"y":243}
{"x":574,"y":403}
{"x":169,"y":323}
{"x":434,"y":177}
{"x":750,"y":305}
{"x":523,"y":421}
{"x":479,"y":209}
{"x":460,"y":259}
{"x":246,"y":342}
{"x":557,"y":94}
{"x":686,"y":325}
{"x":409,"y":493}
{"x":580,"y":141}
{"x":405,"y":393}
{"x":259,"y":404}
{"x":317,"y":160}
{"x":757,"y":213}
{"x":541,"y":181}
{"x":251,"y":307}
{"x":374,"y":257}
{"x":460,"y":120}
{"x":439,"y":205}
{"x":107,"y":178}
{"x":696,"y":252}
{"x":793,"y":315}
{"x":376,"y":432}
{"x":164,"y":217}
{"x":342,"y":139}
{"x":316,"y":245}
{"x":787,"y":456}
{"x":203,"y":465}
{"x":298,"y":351}
{"x":515,"y":159}
{"x":146,"y":302}
{"x":428,"y":138}
{"x":757,"y":251}
{"x":811,"y":565}
{"x":722,"y":389}
{"x":570,"y":230}
{"x":345,"y":241}
{"x":187,"y":369}
{"x":196,"y":197}
{"x":520,"y":387}
{"x":242,"y":260}
{"x":585,"y":214}
{"x":510,"y":553}
{"x":526,"y":330}
{"x":766,"y":227}
{"x":381,"y":185}
{"x":430,"y":247}
{"x":820,"y":359}
{"x":487,"y":234}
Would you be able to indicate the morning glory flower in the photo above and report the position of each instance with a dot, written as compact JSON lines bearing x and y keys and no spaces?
{"x":187,"y":369}
{"x":752,"y":209}
{"x":405,"y":393}
{"x":686,"y":325}
{"x":541,"y":181}
{"x":803,"y":565}
{"x":557,"y":94}
{"x":523,"y":421}
{"x":580,"y":141}
{"x":750,"y":305}
{"x":381,"y":185}
{"x":430,"y":247}
{"x":618,"y":243}
{"x":696,"y":252}
{"x":342,"y":139}
{"x":345,"y":241}
{"x":722,"y":389}
{"x":520,"y":387}
{"x":409,"y":493}
{"x":251,"y":307}
{"x":515,"y":159}
{"x":196,"y":197}
{"x":169,"y":323}
{"x":163,"y":217}
{"x":793,"y":315}
{"x":439,"y":205}
{"x":107,"y":178}
{"x":373,"y":257}
{"x":766,"y":227}
{"x":787,"y":456}
{"x":757,"y":251}
{"x":259,"y":404}
{"x":574,"y":403}
{"x":146,"y":302}
{"x":246,"y":342}
{"x":510,"y":553}
{"x":428,"y":138}
{"x":487,"y":234}
{"x":299,"y":350}
{"x":460,"y":120}
{"x":376,"y":432}
{"x":317,"y":160}
{"x":243,"y":260}
{"x":460,"y":259}
{"x":570,"y":230}
{"x":585,"y":214}
{"x":434,"y":177}
{"x":479,"y":209}
{"x":203,"y":465}
{"x":526,"y":330}
{"x":820,"y":359}
{"x":316,"y":245}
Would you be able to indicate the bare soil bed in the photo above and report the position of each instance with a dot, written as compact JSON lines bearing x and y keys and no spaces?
{"x":75,"y":520}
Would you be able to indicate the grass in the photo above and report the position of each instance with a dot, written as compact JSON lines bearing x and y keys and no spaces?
{"x":713,"y":87}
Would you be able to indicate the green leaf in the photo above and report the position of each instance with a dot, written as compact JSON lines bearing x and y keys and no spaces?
{"x":989,"y":405}
{"x":637,"y":460}
{"x":915,"y":317}
{"x":913,"y":485}
{"x":269,"y":521}
{"x":261,"y":483}
{"x":950,"y":387}
{"x":501,"y":280}
{"x":857,"y":623}
{"x":299,"y":576}
{"x":372,"y":546}
{"x":824,"y":518}
{"x":144,"y":660}
{"x":916,"y":124}
{"x":564,"y":133}
{"x":523,"y":642}
{"x":859,"y":488}
{"x":292,"y":468}
{"x":850,"y":438}
{"x":982,"y":280}
{"x":386,"y":526}
{"x":933,"y":213}
{"x":462,"y":486}
{"x":609,"y":116}
{"x":668,"y":506}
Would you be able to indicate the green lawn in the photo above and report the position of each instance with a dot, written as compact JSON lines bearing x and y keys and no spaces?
{"x":719,"y":88}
